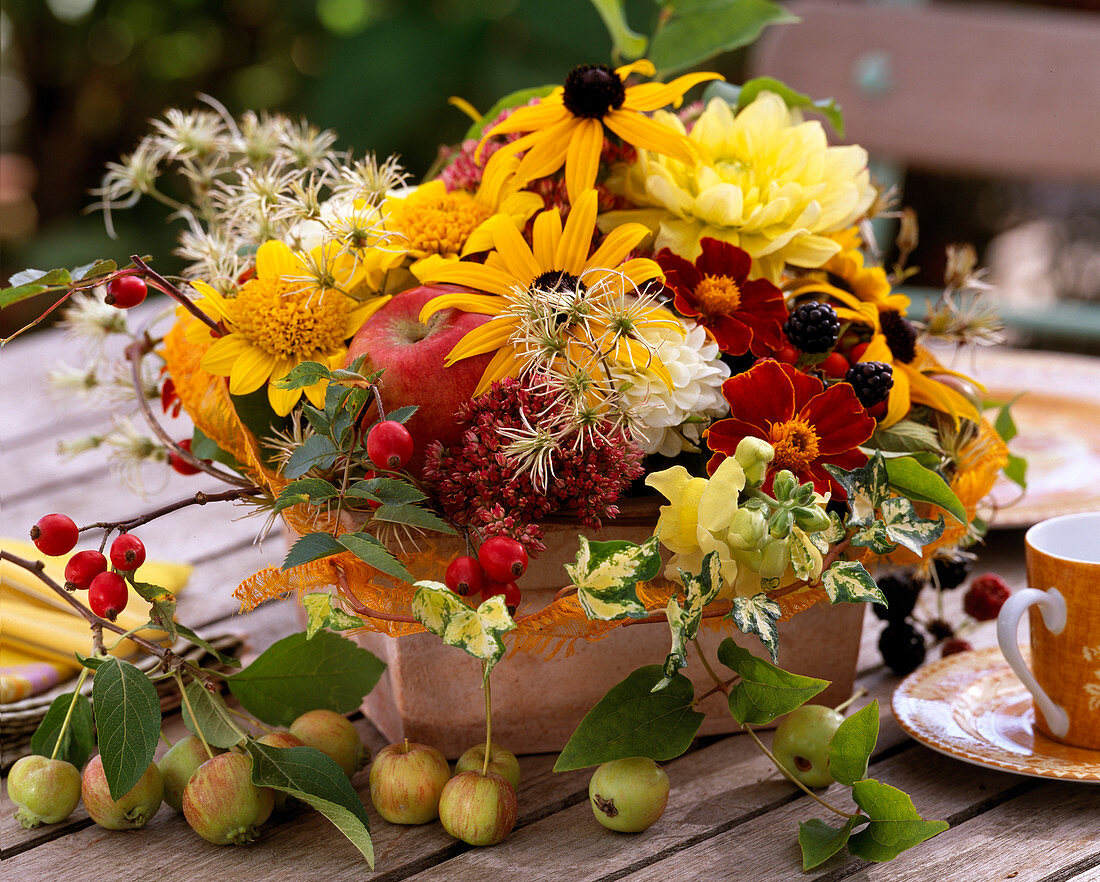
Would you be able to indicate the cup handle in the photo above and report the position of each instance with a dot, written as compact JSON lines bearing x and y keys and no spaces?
{"x":1052,"y":605}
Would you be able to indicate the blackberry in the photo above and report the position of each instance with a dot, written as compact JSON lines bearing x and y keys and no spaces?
{"x":902,"y":648}
{"x":940,"y":630}
{"x":952,"y":573}
{"x":871,"y":380}
{"x":900,"y":335}
{"x":901,"y":596}
{"x":813,"y":327}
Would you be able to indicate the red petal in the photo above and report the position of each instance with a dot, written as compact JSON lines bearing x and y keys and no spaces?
{"x":763,"y":394}
{"x":839,"y":418}
{"x":733,"y":336}
{"x":684,"y":303}
{"x":723,"y":259}
{"x":682,"y":272}
{"x":806,"y":388}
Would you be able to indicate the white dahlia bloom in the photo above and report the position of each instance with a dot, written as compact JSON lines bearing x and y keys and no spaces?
{"x":660,"y":415}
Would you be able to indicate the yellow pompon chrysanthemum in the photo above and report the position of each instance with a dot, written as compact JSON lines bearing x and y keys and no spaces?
{"x":557,"y":309}
{"x":765,"y":181}
{"x":434,"y":226}
{"x":277,"y":320}
{"x":567,"y":126}
{"x":863,"y":295}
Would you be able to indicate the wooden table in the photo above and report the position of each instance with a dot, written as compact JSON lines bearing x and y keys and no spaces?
{"x":730,"y":816}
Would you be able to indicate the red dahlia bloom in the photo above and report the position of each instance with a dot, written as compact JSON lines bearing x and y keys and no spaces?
{"x":717,"y":293}
{"x":807,"y":424}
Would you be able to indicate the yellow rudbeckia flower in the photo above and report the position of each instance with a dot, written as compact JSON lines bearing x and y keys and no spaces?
{"x":567,"y":126}
{"x":277,"y":320}
{"x":556,"y":308}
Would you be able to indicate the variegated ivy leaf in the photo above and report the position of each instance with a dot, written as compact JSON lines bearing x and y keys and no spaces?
{"x":684,"y":621}
{"x":906,"y":527}
{"x":867,"y":487}
{"x":823,"y":540}
{"x":875,"y":537}
{"x":321,"y":612}
{"x":847,"y":581}
{"x":606,"y":575}
{"x":477,"y":631}
{"x":805,"y":557}
{"x":758,"y":615}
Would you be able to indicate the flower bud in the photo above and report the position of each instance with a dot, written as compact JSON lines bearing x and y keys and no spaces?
{"x":779,"y":525}
{"x":811,"y":518}
{"x":775,"y":560}
{"x":784,"y":485}
{"x":746,"y":530}
{"x":754,"y":454}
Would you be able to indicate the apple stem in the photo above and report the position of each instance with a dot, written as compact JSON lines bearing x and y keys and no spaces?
{"x":488,"y":721}
{"x":719,"y":683}
{"x":194,"y":719}
{"x":855,"y":696}
{"x":791,"y":777}
{"x":68,"y":713}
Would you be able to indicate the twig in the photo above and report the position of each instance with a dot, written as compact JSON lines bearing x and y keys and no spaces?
{"x":200,"y":498}
{"x":718,"y":682}
{"x":663,"y":616}
{"x":345,"y":592}
{"x":176,"y":294}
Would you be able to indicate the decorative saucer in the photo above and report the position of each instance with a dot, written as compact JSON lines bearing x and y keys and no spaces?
{"x":972,"y":707}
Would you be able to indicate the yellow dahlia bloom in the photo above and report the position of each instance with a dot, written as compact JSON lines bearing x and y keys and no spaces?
{"x":556,"y":308}
{"x":766,"y":182}
{"x":434,"y":226}
{"x":277,"y":320}
{"x":567,"y":126}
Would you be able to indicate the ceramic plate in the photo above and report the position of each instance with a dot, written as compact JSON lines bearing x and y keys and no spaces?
{"x":972,"y":707}
{"x":1058,"y":422}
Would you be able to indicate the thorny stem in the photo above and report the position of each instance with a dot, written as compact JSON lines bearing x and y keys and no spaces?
{"x":169,"y":660}
{"x":200,"y":498}
{"x":191,"y":711}
{"x":791,"y":777}
{"x":134,"y":353}
{"x":69,"y":712}
{"x":176,"y":294}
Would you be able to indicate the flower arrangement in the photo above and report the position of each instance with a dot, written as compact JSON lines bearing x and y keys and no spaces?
{"x":605,"y":291}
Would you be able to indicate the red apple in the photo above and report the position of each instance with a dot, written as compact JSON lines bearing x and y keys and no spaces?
{"x":412,"y":354}
{"x":406,"y":780}
{"x":478,"y":809}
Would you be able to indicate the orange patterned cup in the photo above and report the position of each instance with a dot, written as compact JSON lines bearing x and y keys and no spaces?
{"x":1063,"y":570}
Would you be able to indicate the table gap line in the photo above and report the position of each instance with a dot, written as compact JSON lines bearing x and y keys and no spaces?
{"x":1066,"y":873}
{"x":50,"y":835}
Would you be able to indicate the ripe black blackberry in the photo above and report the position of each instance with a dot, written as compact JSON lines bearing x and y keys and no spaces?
{"x":871,"y":380}
{"x":901,"y":596}
{"x":902,"y":648}
{"x":900,"y":334}
{"x":812,"y":327}
{"x":952,"y":573}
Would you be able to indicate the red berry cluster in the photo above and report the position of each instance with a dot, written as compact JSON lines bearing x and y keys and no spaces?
{"x":985,"y":597}
{"x":57,"y":534}
{"x":499,"y":562}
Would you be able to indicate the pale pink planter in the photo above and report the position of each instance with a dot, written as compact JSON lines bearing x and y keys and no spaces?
{"x":431,"y":692}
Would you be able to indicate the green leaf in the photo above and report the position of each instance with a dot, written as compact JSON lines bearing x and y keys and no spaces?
{"x":314,"y":778}
{"x":402,"y":414}
{"x":820,"y":842}
{"x":321,"y":612}
{"x":684,"y":621}
{"x":895,"y":824}
{"x":54,"y":278}
{"x":758,"y":615}
{"x":905,"y":527}
{"x":875,"y":537}
{"x":852,"y":745}
{"x":299,"y":674}
{"x":804,"y":560}
{"x":765,"y":691}
{"x":633,"y":720}
{"x":914,"y":481}
{"x":191,"y":636}
{"x":211,"y":716}
{"x":307,"y":373}
{"x":513,"y":99}
{"x":388,"y":490}
{"x":127,"y":718}
{"x":317,"y":419}
{"x":206,"y":448}
{"x":696,"y":30}
{"x":78,"y":742}
{"x":100,"y":267}
{"x":846,"y":581}
{"x":162,"y":606}
{"x":1004,"y":425}
{"x":476,"y":631}
{"x":314,"y":489}
{"x":413,"y":516}
{"x":606,"y":575}
{"x":316,"y":452}
{"x":254,"y":410}
{"x":15,"y":294}
{"x":867,"y":486}
{"x":906,"y":436}
{"x":312,"y":546}
{"x":827,"y":107}
{"x":625,"y":43}
{"x":369,"y":550}
{"x":1016,"y":470}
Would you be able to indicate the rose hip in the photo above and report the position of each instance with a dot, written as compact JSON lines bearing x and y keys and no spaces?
{"x":465,"y":576}
{"x":127,"y":553}
{"x":107,"y":595}
{"x":83,"y":567}
{"x":389,"y":445}
{"x":502,"y":558}
{"x":55,"y":534}
{"x":126,"y":291}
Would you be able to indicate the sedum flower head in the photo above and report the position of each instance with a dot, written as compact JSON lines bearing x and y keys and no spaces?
{"x":766,"y":182}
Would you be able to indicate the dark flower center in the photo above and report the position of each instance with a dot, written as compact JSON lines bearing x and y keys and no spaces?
{"x":900,"y":335}
{"x":558,"y":281}
{"x":563,"y":293}
{"x":591,"y":90}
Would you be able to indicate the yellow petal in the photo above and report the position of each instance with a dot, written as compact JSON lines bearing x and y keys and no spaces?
{"x":316,"y":393}
{"x":250,"y":371}
{"x":505,"y":363}
{"x":617,"y":245}
{"x":282,"y":401}
{"x":652,"y":96}
{"x":472,"y":275}
{"x":514,"y":251}
{"x":467,"y":301}
{"x":647,"y":134}
{"x":546,"y":236}
{"x":212,"y":302}
{"x":274,"y":260}
{"x":548,"y":153}
{"x":364,"y":311}
{"x":642,"y":66}
{"x":484,"y":338}
{"x":223,"y":353}
{"x":527,"y":119}
{"x":582,"y":159}
{"x":925,"y":390}
{"x":576,"y":239}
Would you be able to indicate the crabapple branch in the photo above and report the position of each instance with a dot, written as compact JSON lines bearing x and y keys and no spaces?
{"x":200,"y":498}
